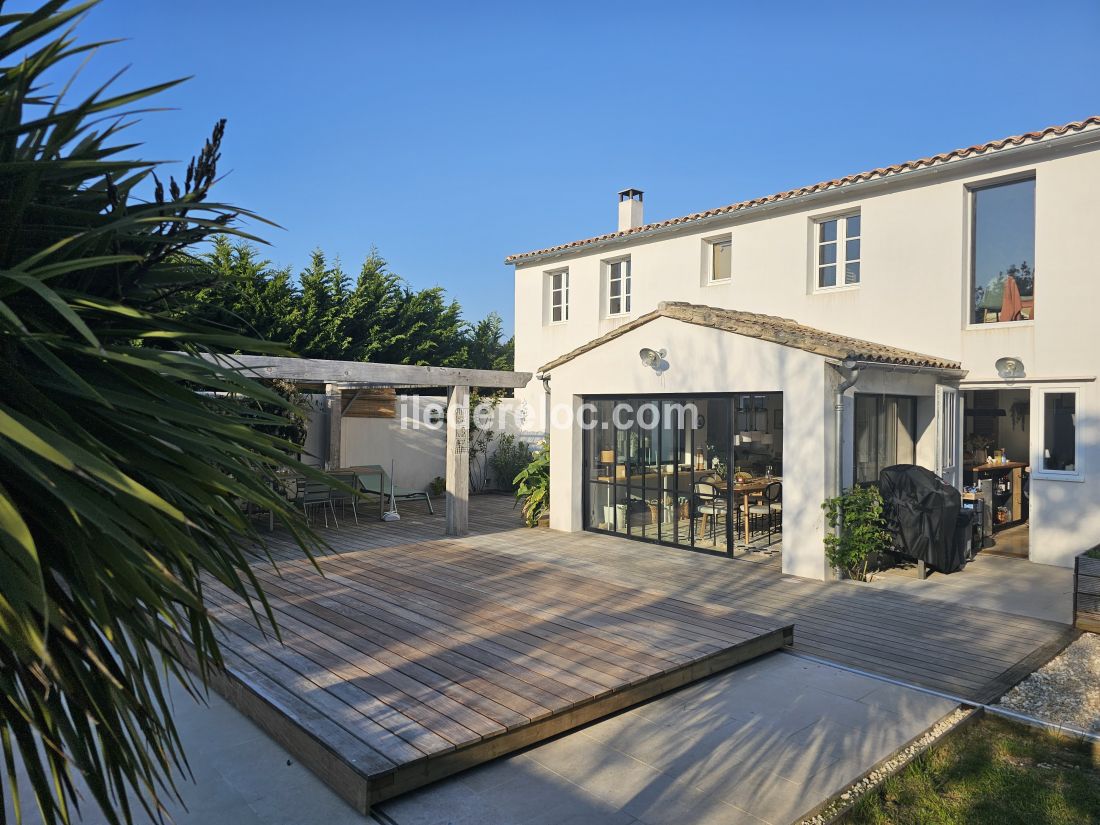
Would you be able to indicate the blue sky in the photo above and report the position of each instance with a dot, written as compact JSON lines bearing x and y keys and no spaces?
{"x":452,"y":134}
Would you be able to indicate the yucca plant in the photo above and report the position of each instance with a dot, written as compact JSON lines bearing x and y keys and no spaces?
{"x":125,"y":456}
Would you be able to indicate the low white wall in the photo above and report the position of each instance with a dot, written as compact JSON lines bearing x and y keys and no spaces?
{"x":418,"y":454}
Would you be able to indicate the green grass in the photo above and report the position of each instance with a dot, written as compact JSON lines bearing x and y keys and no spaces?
{"x":994,"y":772}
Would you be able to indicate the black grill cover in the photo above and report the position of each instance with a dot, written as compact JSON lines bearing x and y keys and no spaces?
{"x":923,"y":514}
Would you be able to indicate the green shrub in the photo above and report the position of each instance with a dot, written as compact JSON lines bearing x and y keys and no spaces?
{"x":437,"y":486}
{"x":533,"y":486}
{"x":510,"y":456}
{"x":858,"y":514}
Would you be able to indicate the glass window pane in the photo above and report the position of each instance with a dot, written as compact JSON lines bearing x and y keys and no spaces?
{"x":826,"y":276}
{"x":1004,"y":251}
{"x":1060,"y":431}
{"x":851,"y":273}
{"x":722,"y":259}
{"x":556,"y":314}
{"x":615,"y":306}
{"x":828,"y":254}
{"x":616,"y":286}
{"x":851,"y":250}
{"x":827,"y":231}
{"x":853,"y":226}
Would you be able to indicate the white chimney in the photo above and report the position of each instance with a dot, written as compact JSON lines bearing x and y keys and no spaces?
{"x":630,"y":209}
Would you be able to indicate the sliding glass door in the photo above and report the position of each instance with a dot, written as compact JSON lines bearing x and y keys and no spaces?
{"x":662,"y":469}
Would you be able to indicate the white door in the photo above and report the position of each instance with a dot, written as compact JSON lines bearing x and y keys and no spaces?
{"x":948,"y":434}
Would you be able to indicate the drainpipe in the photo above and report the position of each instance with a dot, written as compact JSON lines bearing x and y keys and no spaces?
{"x":849,"y":371}
{"x":544,"y":377}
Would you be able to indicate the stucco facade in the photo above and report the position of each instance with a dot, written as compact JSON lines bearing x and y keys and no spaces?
{"x":914,"y":292}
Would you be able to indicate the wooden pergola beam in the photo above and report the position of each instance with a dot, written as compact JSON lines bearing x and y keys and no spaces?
{"x":323,"y":371}
{"x":335,"y":375}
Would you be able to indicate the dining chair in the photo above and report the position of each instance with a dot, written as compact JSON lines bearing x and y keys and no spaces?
{"x":710,"y":503}
{"x":768,"y":510}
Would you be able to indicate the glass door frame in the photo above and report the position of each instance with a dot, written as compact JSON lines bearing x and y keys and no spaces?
{"x":590,"y":482}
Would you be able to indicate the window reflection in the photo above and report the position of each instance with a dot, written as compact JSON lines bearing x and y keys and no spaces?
{"x":1003,"y":266}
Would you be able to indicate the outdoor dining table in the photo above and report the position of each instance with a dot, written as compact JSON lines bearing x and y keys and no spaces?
{"x":745,"y":489}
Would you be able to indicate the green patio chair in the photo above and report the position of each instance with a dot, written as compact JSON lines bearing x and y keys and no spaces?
{"x":376,"y":481}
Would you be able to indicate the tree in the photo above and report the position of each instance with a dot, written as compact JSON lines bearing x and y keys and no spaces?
{"x":124,"y":455}
{"x":377,"y":318}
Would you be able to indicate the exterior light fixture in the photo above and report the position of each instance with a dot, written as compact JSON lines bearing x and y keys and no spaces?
{"x":1009,"y":368}
{"x":651,"y":357}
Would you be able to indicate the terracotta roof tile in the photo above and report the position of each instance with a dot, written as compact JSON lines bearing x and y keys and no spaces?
{"x":769,"y":328}
{"x":883,"y":172}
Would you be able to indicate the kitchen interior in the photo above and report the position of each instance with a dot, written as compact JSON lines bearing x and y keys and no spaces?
{"x":996,"y":471}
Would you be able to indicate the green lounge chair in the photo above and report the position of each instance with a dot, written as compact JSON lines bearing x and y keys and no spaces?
{"x":374,"y":480}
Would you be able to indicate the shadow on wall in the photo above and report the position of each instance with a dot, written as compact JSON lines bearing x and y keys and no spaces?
{"x":414,"y":443}
{"x":1065,"y":515}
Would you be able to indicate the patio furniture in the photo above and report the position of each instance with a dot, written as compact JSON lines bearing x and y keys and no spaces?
{"x":316,"y":494}
{"x":373,"y":479}
{"x":342,"y":497}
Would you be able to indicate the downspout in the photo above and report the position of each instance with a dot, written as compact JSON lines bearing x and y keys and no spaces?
{"x":544,"y":377}
{"x":849,"y":371}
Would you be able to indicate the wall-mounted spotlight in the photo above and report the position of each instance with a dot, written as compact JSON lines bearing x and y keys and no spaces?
{"x":1010,"y":368}
{"x":652,"y":358}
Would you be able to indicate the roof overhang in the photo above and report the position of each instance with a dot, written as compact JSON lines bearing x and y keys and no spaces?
{"x":780,"y":331}
{"x":859,"y":185}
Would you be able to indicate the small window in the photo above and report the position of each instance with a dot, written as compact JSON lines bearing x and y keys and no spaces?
{"x":837,"y":245}
{"x":559,"y":296}
{"x":618,"y":287}
{"x":1058,"y":435}
{"x":1003,"y":252}
{"x":721,"y":259}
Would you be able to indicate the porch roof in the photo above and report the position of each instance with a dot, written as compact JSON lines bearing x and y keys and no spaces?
{"x":770,"y":328}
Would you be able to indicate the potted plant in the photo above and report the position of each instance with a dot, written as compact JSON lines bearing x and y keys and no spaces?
{"x":1086,"y":591}
{"x":859,"y":531}
{"x":437,"y":486}
{"x":977,"y":446}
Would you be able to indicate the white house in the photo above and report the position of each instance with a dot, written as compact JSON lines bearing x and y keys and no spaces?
{"x":960,"y":289}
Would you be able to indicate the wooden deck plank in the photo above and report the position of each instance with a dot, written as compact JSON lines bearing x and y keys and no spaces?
{"x":412,"y":671}
{"x":427,"y":655}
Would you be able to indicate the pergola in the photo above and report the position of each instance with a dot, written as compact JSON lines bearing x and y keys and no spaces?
{"x":336,"y":376}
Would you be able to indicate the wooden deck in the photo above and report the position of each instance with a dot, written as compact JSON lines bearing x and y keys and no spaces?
{"x":416,"y":656}
{"x":403,"y":664}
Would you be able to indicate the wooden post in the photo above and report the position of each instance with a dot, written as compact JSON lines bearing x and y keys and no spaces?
{"x":458,"y":460}
{"x":334,"y":405}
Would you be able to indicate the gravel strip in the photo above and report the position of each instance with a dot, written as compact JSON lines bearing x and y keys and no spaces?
{"x":885,"y":770}
{"x":1065,"y":691}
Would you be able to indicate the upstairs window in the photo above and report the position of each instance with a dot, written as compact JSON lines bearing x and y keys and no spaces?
{"x":618,"y":287}
{"x":721,"y":259}
{"x":559,"y":296}
{"x":838,"y":252}
{"x":1003,"y":252}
